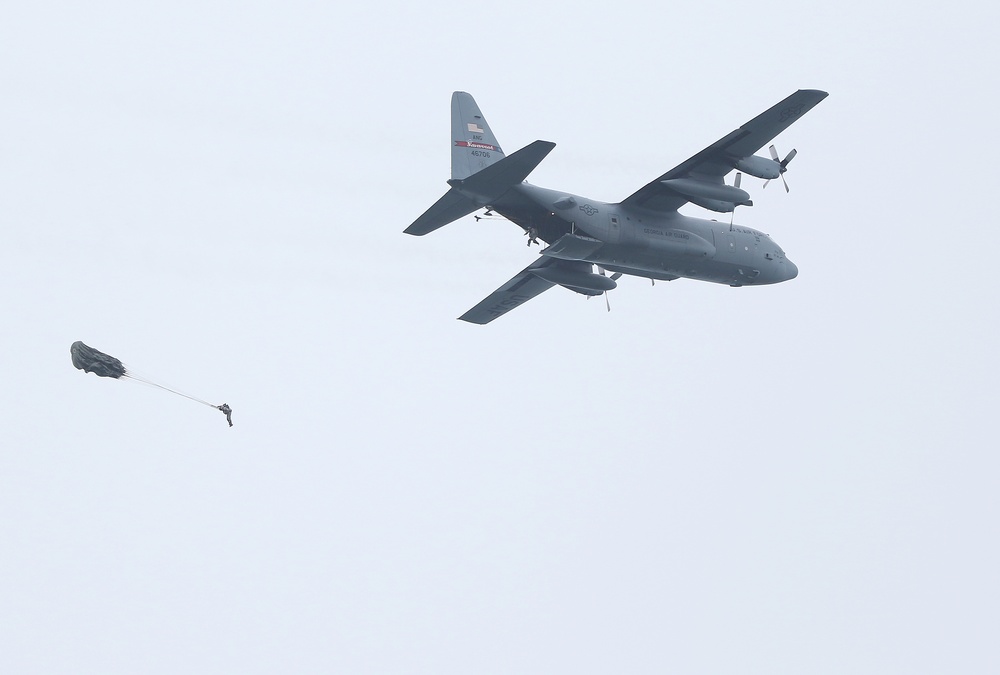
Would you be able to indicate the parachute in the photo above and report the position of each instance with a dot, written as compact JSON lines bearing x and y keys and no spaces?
{"x":90,"y":360}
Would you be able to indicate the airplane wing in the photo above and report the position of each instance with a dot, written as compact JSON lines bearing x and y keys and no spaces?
{"x":514,"y":293}
{"x":713,"y":163}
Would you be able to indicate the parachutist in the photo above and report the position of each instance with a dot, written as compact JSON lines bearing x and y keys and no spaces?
{"x":90,"y":360}
{"x":532,"y":235}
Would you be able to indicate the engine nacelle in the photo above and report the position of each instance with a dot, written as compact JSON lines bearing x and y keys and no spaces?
{"x":699,"y":189}
{"x":759,"y":167}
{"x":716,"y":205}
{"x":587,"y":283}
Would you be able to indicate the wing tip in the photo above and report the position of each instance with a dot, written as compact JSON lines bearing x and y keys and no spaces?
{"x":818,"y":93}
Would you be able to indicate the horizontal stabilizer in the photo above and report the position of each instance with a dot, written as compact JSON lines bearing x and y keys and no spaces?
{"x":452,"y":206}
{"x":492,"y":182}
{"x":481,"y":189}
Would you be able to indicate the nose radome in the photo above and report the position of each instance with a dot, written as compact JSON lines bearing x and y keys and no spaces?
{"x":792,"y":271}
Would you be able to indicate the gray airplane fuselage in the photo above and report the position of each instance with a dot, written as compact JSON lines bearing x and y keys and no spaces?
{"x":643,"y":235}
{"x":656,"y":245}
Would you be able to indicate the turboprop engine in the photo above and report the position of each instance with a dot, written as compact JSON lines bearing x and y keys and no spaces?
{"x":586,"y":283}
{"x":759,"y":167}
{"x":768,"y":169}
{"x":714,"y":196}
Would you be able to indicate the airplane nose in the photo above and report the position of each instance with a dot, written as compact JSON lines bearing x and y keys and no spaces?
{"x":791,"y":270}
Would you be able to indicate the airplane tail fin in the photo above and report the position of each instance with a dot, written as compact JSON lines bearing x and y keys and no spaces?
{"x":474,"y":147}
{"x":480,"y":172}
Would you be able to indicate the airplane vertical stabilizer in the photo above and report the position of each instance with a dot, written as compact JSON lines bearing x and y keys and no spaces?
{"x":474,"y":147}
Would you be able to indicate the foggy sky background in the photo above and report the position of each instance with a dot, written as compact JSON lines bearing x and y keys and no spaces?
{"x":787,"y":479}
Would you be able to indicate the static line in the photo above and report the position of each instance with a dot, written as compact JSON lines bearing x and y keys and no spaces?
{"x":172,"y":391}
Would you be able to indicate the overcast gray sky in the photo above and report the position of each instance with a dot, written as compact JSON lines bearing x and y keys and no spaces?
{"x":787,"y":479}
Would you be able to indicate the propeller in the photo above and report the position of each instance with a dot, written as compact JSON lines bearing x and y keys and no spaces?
{"x":614,"y":277}
{"x":736,"y":184}
{"x":783,"y":164}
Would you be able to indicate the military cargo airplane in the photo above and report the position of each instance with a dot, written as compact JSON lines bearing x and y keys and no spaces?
{"x":643,"y":235}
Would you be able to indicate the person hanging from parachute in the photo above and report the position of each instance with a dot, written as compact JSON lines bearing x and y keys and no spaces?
{"x":229,"y":412}
{"x":91,"y":360}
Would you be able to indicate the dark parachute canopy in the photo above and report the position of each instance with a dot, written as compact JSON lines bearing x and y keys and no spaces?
{"x":90,"y":360}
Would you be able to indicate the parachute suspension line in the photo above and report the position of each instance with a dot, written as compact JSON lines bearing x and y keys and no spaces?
{"x":135,"y":377}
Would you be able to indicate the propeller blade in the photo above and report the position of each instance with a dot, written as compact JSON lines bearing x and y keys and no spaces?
{"x":783,"y":164}
{"x":616,"y":276}
{"x":607,"y":301}
{"x":736,"y":184}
